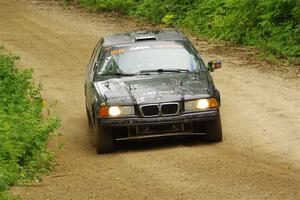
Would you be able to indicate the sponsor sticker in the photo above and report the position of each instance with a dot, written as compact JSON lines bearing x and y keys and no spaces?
{"x":139,"y":48}
{"x":117,"y":51}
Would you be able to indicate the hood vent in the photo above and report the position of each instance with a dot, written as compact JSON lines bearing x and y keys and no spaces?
{"x":143,"y":36}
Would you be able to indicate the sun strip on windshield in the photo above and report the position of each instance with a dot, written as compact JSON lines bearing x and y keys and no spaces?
{"x":137,"y":48}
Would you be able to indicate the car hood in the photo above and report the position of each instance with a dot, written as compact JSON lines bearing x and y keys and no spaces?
{"x":144,"y":89}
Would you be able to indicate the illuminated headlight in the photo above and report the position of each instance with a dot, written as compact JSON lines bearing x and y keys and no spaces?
{"x":201,"y":104}
{"x":115,"y":111}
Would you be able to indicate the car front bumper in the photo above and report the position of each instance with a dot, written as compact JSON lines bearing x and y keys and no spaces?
{"x":140,"y":121}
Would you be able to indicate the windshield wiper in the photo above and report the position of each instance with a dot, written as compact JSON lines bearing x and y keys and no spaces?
{"x":163,"y":70}
{"x":119,"y":74}
{"x":124,"y":74}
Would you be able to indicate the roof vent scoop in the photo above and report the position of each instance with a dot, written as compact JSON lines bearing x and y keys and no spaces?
{"x":143,"y":35}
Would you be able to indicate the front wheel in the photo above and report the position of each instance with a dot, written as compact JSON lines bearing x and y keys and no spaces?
{"x":213,"y":131}
{"x":104,"y":138}
{"x":89,"y":120}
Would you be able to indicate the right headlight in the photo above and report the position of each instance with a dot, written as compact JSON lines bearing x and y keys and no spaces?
{"x":115,"y":111}
{"x":201,"y":104}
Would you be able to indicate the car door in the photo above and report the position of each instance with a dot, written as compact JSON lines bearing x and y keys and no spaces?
{"x":91,"y":68}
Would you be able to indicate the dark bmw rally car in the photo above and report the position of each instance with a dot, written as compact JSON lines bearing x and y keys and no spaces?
{"x":150,"y":84}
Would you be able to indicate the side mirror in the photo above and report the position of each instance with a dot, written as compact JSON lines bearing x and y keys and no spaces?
{"x":212,"y":65}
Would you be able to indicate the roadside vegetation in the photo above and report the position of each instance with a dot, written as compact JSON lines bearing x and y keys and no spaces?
{"x":24,"y":130}
{"x":271,"y":25}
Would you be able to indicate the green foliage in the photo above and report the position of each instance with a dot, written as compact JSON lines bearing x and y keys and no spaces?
{"x":169,"y":20}
{"x":269,"y":24}
{"x":6,"y":196}
{"x":156,"y":11}
{"x":24,"y":131}
{"x":272,"y":25}
{"x":122,"y":6}
{"x":67,"y":2}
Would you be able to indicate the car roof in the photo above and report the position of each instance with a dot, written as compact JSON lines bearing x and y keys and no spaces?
{"x":134,"y":37}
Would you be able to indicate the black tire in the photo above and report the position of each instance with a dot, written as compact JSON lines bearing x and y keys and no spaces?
{"x":90,"y":123}
{"x":104,"y":138}
{"x":213,"y":131}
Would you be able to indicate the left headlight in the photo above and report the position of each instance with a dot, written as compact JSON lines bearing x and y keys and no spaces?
{"x":201,"y":104}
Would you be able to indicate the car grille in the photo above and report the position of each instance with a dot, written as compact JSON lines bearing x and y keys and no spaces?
{"x":150,"y":110}
{"x":165,"y":109}
{"x":169,"y":109}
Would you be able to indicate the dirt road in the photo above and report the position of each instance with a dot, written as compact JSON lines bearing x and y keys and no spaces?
{"x":260,"y":155}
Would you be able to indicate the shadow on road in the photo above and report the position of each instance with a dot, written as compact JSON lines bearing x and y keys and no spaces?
{"x":158,"y":143}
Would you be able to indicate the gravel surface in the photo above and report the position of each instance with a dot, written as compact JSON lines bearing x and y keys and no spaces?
{"x":260,"y":155}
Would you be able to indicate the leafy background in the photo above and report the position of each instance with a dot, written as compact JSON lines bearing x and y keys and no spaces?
{"x":271,"y":25}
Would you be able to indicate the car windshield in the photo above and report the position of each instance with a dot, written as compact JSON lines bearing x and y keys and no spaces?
{"x":149,"y":58}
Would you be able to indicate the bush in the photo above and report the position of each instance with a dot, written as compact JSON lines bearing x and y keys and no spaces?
{"x":122,"y":6}
{"x":24,"y":131}
{"x":272,"y":25}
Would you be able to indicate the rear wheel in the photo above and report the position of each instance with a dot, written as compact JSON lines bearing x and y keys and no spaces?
{"x":213,"y":131}
{"x":104,"y":138}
